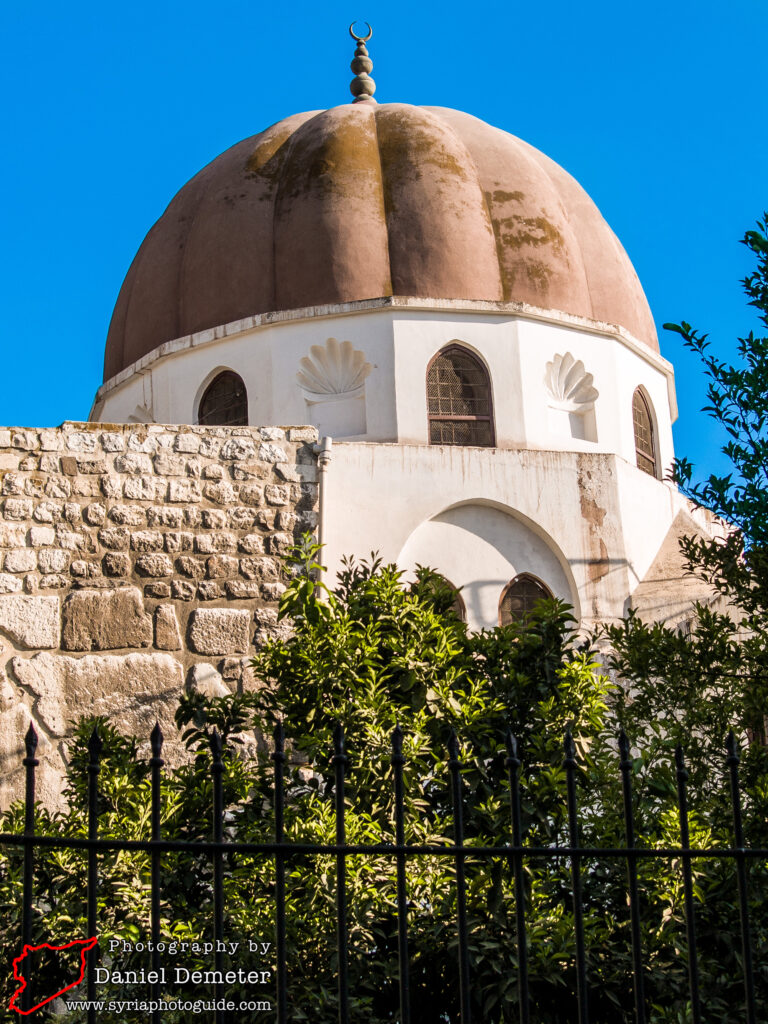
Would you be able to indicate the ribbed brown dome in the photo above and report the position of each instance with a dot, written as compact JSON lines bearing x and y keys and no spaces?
{"x":363,"y":201}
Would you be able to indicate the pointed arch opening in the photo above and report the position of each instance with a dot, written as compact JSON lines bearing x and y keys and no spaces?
{"x":459,"y":406}
{"x":645,"y":438}
{"x":224,"y":402}
{"x":519,"y":598}
{"x":458,"y":607}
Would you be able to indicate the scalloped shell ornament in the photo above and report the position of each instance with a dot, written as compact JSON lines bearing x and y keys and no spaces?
{"x":335,"y":368}
{"x":569,"y":385}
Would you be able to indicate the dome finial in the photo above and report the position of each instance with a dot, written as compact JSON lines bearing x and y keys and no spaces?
{"x":362,"y":85}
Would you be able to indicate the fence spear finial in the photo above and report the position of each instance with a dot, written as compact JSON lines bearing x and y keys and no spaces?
{"x":569,"y":748}
{"x":512,"y":747}
{"x":453,"y":746}
{"x":279,"y":736}
{"x":156,"y":740}
{"x":732,"y":748}
{"x":338,"y":738}
{"x":397,"y":741}
{"x":623,"y":746}
{"x":30,"y":742}
{"x":95,"y":744}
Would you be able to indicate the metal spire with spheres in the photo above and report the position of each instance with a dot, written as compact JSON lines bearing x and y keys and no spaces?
{"x":362,"y":85}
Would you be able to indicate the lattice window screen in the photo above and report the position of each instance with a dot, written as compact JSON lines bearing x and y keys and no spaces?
{"x":519,"y":597}
{"x":644,"y":446}
{"x":225,"y":402}
{"x":459,"y":400}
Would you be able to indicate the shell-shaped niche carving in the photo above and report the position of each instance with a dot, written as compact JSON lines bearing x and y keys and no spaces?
{"x":335,"y":368}
{"x":141,"y":414}
{"x":569,"y":385}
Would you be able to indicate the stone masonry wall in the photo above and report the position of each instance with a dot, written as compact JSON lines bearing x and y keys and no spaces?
{"x":136,"y":560}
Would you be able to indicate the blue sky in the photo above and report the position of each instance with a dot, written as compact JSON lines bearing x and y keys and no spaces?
{"x":656,"y":108}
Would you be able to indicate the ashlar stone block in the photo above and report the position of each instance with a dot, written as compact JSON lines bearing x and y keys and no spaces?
{"x":140,"y":488}
{"x":30,"y":622}
{"x":9,"y":584}
{"x":147,"y":540}
{"x":222,"y":493}
{"x":115,"y":538}
{"x":205,"y":679}
{"x":219,"y":630}
{"x":80,"y":441}
{"x":238,"y":448}
{"x":135,"y":689}
{"x":112,"y":442}
{"x":183,"y":590}
{"x":182,"y":490}
{"x":170,"y":465}
{"x":221,"y":567}
{"x":167,"y":634}
{"x":53,"y":560}
{"x":128,"y":515}
{"x":105,"y":620}
{"x":270,"y":452}
{"x":154,"y":565}
{"x":186,"y":443}
{"x":134,"y":463}
{"x":21,"y":560}
{"x":94,"y":514}
{"x":12,"y":536}
{"x":18,"y":508}
{"x":115,"y":563}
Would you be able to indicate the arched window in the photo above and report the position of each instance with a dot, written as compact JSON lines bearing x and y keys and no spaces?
{"x":458,"y":607}
{"x":519,"y":597}
{"x":437,"y":585}
{"x":224,"y":402}
{"x":459,"y":399}
{"x":645,"y":446}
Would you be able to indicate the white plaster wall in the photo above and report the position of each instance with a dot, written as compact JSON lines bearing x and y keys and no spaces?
{"x":399,"y":344}
{"x":377,"y":496}
{"x":480,"y":549}
{"x":370,"y":333}
{"x":539,"y":344}
{"x":629,"y":376}
{"x":537,"y":496}
{"x":516,"y":351}
{"x":647,"y":508}
{"x":268,"y":359}
{"x":420,"y":335}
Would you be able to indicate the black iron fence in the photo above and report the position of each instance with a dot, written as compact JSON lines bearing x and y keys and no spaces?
{"x":515,"y":853}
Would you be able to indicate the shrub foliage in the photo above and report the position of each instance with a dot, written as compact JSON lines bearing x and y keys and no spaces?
{"x":378,"y":652}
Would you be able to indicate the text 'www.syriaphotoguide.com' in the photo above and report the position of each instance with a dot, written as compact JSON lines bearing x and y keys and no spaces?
{"x":149,"y":1005}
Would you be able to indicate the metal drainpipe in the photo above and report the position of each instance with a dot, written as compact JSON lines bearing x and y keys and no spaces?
{"x":322,"y":449}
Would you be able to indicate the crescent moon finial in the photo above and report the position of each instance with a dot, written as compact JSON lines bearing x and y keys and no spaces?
{"x":360,"y":39}
{"x":362,"y":85}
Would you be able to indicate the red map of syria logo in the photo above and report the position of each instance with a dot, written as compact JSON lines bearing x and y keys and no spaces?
{"x":84,"y":944}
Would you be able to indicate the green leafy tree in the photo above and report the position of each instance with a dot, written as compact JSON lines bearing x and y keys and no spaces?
{"x":737,"y":565}
{"x":374,"y":653}
{"x":691,"y":688}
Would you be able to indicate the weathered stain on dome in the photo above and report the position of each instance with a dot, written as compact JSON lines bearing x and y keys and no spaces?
{"x":419,"y":152}
{"x":500,"y":196}
{"x":266,"y":157}
{"x":363,"y":201}
{"x":538,"y":274}
{"x":533,"y":231}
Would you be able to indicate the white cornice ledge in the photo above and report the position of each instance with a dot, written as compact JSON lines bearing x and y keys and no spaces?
{"x":522,"y":309}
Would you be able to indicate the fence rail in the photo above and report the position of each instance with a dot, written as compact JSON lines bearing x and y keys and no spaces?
{"x":516,"y":853}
